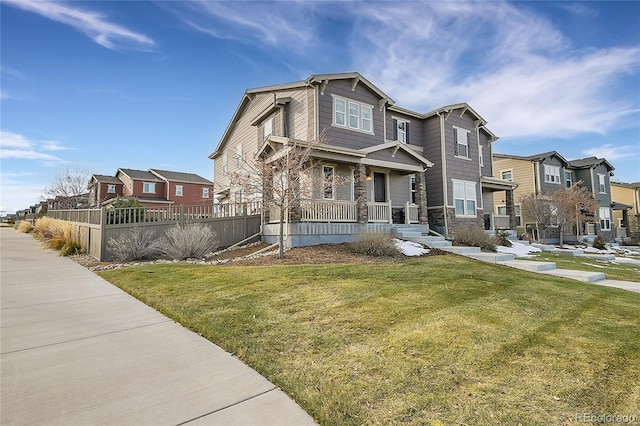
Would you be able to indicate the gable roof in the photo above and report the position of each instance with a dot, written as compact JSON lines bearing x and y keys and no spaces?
{"x":397,"y":145}
{"x":180,"y":177}
{"x":105,"y":179}
{"x":139,"y":175}
{"x":584,"y":163}
{"x":535,"y":157}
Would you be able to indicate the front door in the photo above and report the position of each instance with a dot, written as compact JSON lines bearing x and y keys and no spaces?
{"x":379,"y":187}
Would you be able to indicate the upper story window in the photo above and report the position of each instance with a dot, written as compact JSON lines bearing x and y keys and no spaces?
{"x":178,"y":190}
{"x":353,"y":115}
{"x":401,"y":130}
{"x":461,"y":139}
{"x":551,"y":174}
{"x":568,"y":179}
{"x":111,"y":189}
{"x":464,"y":197}
{"x":480,"y":155}
{"x":601,"y":184}
{"x":507,"y":175}
{"x":149,"y":188}
{"x":205,"y":192}
{"x":268,"y":127}
{"x":605,"y":218}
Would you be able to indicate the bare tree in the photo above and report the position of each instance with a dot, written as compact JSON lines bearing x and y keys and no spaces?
{"x":559,"y":207}
{"x":67,"y":187}
{"x":282,"y":177}
{"x":572,"y":205}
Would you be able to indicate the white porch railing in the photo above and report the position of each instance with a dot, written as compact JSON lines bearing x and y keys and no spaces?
{"x":410,"y":213}
{"x":329,"y":211}
{"x":380,"y":212}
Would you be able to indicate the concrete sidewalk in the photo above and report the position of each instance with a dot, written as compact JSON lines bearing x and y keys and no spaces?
{"x":76,"y":350}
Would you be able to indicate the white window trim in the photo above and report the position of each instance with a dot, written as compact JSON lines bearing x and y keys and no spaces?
{"x":570,"y":178}
{"x":456,"y":141}
{"x":205,"y":192}
{"x":413,"y":189}
{"x":179,"y":191}
{"x":404,"y":131}
{"x":465,"y":183}
{"x":506,"y":170}
{"x":551,"y":176}
{"x":146,"y":186}
{"x":111,"y":189}
{"x":602,"y":183}
{"x":481,"y":156}
{"x":347,"y":115}
{"x":604,"y":214}
{"x":333,"y":182}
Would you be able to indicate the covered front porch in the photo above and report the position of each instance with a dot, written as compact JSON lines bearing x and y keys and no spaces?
{"x":507,"y":217}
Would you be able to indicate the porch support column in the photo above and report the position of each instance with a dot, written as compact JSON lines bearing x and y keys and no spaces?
{"x":361,"y":193}
{"x":510,"y":208}
{"x":625,"y":222}
{"x":421,"y":197}
{"x":267,"y":193}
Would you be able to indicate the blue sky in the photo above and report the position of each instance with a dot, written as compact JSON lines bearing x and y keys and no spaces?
{"x":109,"y":84}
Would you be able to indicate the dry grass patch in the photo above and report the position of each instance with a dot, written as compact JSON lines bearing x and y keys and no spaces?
{"x":438,"y":339}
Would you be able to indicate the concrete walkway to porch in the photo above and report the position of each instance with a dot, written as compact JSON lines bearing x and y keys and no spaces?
{"x":76,"y":350}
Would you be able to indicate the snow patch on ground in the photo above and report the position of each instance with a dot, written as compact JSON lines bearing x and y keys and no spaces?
{"x":519,"y":249}
{"x":409,"y":248}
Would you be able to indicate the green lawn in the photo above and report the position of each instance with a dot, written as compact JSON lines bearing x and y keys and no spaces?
{"x":437,"y":340}
{"x":613,"y":271}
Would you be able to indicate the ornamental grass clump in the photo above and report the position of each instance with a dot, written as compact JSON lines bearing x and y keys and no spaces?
{"x":474,"y":236}
{"x":137,"y":243}
{"x":192,"y":240}
{"x":24,"y":226}
{"x":58,"y":235}
{"x":376,"y":244}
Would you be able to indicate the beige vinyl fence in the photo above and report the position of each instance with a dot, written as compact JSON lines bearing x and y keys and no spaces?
{"x":232,"y":223}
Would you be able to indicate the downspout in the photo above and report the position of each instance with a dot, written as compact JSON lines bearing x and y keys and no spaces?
{"x":443,"y":151}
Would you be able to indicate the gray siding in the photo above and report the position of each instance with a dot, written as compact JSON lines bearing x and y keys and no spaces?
{"x":431,"y":145}
{"x":553,"y":161}
{"x":345,"y":137}
{"x":487,"y":169}
{"x":416,"y":128}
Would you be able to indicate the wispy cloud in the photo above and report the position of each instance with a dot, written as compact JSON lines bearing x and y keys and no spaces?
{"x":613,"y":152}
{"x":285,"y":25}
{"x":94,"y":24}
{"x":16,"y":146}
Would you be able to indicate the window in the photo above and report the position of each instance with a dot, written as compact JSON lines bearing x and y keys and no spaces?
{"x":268,"y":127}
{"x":464,"y":196}
{"x":507,"y":175}
{"x":601,"y":184}
{"x":461,"y":137}
{"x":149,"y":188}
{"x":131,"y":186}
{"x":605,"y":218}
{"x":502,"y":210}
{"x":111,"y":189}
{"x":239,"y":155}
{"x":352,"y":114}
{"x":225,"y":164}
{"x":568,"y":179}
{"x":412,"y":188}
{"x":551,"y":174}
{"x":328,"y":182}
{"x":205,"y":192}
{"x":339,"y":112}
{"x":620,"y":223}
{"x":401,"y":130}
{"x":178,"y":190}
{"x":480,"y":156}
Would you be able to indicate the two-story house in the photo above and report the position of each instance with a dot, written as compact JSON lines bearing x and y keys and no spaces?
{"x":549,"y":171}
{"x":152,"y":188}
{"x":400,"y":166}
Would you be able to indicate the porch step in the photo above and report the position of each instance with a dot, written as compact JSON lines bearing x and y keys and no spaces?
{"x":529,"y":265}
{"x":431,"y":242}
{"x":491,"y":257}
{"x":462,"y":250}
{"x":589,"y":277}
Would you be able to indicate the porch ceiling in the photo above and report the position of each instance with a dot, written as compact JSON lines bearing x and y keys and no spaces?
{"x":495,"y":184}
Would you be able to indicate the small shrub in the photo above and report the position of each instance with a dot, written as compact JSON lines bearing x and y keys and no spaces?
{"x":24,"y":226}
{"x":376,"y":244}
{"x":502,"y":239}
{"x":137,"y":243}
{"x":70,"y":249}
{"x":192,"y":240}
{"x":599,"y":243}
{"x":474,"y":236}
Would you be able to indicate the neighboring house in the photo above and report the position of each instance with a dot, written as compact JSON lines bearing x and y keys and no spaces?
{"x":548,"y":171}
{"x":401,"y":166}
{"x":103,"y":188}
{"x":152,"y":188}
{"x":626,"y":208}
